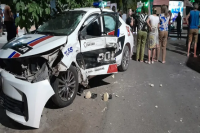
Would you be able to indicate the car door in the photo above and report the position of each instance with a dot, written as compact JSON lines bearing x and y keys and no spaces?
{"x":110,"y":32}
{"x":98,"y":50}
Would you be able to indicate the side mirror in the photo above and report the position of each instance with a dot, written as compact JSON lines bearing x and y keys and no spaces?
{"x":85,"y":23}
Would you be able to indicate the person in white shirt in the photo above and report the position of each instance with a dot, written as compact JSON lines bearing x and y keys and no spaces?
{"x":153,"y":41}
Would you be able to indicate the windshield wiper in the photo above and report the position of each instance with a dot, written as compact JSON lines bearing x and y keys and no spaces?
{"x":46,"y":33}
{"x":51,"y":33}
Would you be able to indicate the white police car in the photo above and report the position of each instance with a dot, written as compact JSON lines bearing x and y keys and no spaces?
{"x":61,"y":54}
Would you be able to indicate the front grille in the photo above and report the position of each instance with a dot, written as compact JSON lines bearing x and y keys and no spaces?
{"x":15,"y":106}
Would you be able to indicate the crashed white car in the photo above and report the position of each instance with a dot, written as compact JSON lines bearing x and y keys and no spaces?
{"x":61,"y":54}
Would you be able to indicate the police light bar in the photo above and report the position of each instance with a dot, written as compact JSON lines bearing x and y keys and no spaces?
{"x":100,"y":4}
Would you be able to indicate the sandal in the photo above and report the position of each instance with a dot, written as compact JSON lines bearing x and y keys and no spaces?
{"x":163,"y":62}
{"x":148,"y":62}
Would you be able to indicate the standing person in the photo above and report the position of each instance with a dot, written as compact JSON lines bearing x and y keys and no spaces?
{"x":129,"y":20}
{"x":169,"y":24}
{"x":163,"y":32}
{"x":179,"y":20}
{"x":1,"y":22}
{"x":198,"y":43}
{"x":193,"y":31}
{"x":142,"y":35}
{"x":120,"y":13}
{"x":114,"y":9}
{"x":135,"y":21}
{"x":15,"y":33}
{"x":153,"y":42}
{"x":9,"y":22}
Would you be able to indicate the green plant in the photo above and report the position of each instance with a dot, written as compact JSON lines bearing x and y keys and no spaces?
{"x":35,"y":12}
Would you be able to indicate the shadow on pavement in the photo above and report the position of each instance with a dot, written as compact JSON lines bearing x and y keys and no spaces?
{"x":194,"y":63}
{"x":98,"y":81}
{"x":94,"y":82}
{"x":179,"y":49}
{"x":134,"y":57}
{"x":175,"y":51}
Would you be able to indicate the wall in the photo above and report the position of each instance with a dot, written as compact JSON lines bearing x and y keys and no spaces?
{"x":161,"y":2}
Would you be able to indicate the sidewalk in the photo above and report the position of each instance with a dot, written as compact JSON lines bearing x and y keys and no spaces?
{"x":3,"y":39}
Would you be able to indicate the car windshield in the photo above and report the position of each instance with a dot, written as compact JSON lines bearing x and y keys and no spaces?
{"x":62,"y":24}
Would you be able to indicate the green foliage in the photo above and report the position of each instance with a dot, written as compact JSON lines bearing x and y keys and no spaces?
{"x":35,"y":12}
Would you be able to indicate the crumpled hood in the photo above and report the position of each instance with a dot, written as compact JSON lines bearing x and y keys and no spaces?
{"x":31,"y":44}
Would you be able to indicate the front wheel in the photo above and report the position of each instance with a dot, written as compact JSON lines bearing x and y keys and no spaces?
{"x":125,"y":59}
{"x":65,"y":87}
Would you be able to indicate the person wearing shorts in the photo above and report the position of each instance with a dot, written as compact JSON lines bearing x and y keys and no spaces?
{"x":194,"y":25}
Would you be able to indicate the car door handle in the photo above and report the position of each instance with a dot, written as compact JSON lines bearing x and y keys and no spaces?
{"x":122,"y":34}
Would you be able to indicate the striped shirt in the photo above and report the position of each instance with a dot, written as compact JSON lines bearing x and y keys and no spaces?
{"x":142,"y":21}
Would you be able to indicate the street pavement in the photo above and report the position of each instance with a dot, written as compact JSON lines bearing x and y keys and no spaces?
{"x":3,"y":38}
{"x":136,"y":107}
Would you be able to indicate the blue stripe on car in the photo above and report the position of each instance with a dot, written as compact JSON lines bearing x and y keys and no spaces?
{"x":12,"y":54}
{"x":36,"y":39}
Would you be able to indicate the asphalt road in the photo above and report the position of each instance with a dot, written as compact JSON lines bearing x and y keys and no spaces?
{"x":140,"y":108}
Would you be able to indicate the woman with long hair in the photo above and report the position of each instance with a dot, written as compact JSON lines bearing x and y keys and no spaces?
{"x":153,"y":42}
{"x":163,"y":32}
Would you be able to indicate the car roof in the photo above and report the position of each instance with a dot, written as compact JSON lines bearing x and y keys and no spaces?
{"x":91,"y":9}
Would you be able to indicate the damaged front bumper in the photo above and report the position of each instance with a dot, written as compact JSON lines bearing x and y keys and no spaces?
{"x":24,"y":101}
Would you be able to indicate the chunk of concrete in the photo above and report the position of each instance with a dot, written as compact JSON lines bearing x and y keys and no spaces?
{"x":88,"y":95}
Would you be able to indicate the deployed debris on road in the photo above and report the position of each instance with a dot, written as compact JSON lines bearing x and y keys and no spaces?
{"x":104,"y":109}
{"x":152,"y":85}
{"x":107,"y":96}
{"x":80,"y":91}
{"x":93,"y":96}
{"x":113,"y":76}
{"x":116,"y":96}
{"x":90,"y":95}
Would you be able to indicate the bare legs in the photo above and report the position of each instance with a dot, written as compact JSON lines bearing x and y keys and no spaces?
{"x":157,"y":53}
{"x":195,"y":49}
{"x":188,"y":53}
{"x":153,"y":56}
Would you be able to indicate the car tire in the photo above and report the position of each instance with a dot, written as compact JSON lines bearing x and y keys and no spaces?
{"x":125,"y":59}
{"x":65,"y":87}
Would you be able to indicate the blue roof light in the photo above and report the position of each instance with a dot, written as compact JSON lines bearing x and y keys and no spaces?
{"x":100,"y":4}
